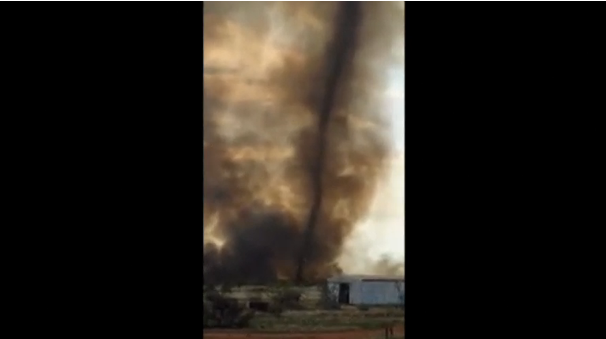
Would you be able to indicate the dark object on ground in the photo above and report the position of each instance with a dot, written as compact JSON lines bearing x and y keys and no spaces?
{"x":258,"y":305}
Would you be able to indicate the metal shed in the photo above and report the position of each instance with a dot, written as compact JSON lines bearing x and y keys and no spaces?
{"x":367,"y":289}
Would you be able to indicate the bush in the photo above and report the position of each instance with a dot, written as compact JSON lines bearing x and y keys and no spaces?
{"x":224,"y":312}
{"x":327,"y":300}
{"x":288,"y":299}
{"x":285,"y":299}
{"x":226,"y":288}
{"x":258,"y":304}
{"x":275,"y":309}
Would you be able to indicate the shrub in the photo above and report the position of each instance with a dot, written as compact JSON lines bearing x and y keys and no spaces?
{"x":224,"y":312}
{"x":226,"y":288}
{"x":258,"y":304}
{"x":327,"y":300}
{"x":275,"y":309}
{"x":288,"y":299}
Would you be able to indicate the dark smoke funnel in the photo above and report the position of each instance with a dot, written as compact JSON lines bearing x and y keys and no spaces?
{"x":338,"y":60}
{"x":294,"y":143}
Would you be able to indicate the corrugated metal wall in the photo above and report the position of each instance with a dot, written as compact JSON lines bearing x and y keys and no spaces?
{"x":380,"y":293}
{"x":371,"y":292}
{"x":354,"y":293}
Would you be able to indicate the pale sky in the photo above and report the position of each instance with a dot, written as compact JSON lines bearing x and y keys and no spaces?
{"x":396,"y":106}
{"x":382,"y":233}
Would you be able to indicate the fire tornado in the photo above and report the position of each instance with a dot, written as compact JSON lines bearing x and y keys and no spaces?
{"x":295,"y":139}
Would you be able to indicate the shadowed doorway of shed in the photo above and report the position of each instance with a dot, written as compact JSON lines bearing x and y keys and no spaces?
{"x":343,"y":293}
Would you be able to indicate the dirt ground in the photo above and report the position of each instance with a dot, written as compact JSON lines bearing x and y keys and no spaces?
{"x":352,"y":334}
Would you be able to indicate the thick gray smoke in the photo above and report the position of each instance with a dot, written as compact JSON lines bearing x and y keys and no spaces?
{"x":294,"y":139}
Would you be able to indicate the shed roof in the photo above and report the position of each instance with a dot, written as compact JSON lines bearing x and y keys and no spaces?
{"x":350,"y":277}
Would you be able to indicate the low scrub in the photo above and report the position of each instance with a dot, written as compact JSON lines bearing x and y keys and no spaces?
{"x":327,"y":300}
{"x":224,"y":312}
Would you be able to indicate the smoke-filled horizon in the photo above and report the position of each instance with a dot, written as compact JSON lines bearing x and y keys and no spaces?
{"x":296,"y":141}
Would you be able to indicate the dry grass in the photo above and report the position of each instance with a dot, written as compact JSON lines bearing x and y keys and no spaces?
{"x":310,"y":321}
{"x":311,"y":318}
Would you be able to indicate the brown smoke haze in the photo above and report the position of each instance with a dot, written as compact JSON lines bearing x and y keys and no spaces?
{"x":294,"y":136}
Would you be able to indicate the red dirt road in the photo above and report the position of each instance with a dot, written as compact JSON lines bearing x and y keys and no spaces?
{"x":352,"y":334}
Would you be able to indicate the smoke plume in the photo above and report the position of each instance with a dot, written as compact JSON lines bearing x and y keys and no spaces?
{"x":294,"y":139}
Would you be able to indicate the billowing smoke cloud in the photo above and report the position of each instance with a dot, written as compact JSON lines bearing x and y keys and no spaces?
{"x":294,"y":137}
